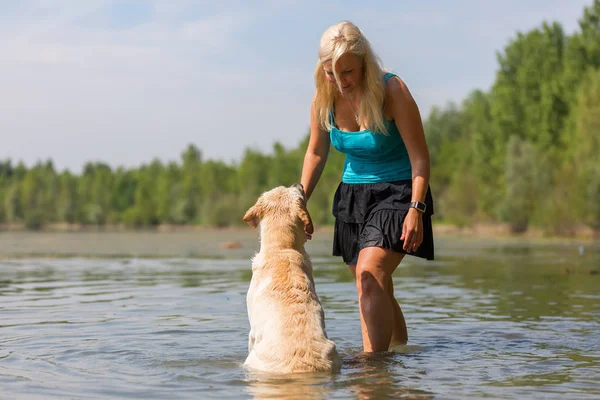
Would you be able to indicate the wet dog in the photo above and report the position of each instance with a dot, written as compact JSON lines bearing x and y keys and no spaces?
{"x":287,"y":323}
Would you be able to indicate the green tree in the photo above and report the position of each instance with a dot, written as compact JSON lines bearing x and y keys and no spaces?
{"x":586,"y":146}
{"x":66,"y":206}
{"x":12,"y":203}
{"x":527,"y":180}
{"x":478,"y":127}
{"x":192,"y":196}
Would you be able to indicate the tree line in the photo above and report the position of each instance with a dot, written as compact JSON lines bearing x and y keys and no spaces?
{"x":526,"y":153}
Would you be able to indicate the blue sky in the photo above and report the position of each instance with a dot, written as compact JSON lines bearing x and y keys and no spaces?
{"x":127,"y":81}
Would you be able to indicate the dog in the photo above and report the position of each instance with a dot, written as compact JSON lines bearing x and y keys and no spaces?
{"x":287,"y":322}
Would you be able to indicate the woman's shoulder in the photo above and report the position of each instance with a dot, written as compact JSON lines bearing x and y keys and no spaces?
{"x":392,"y":80}
{"x":397,"y":95}
{"x":394,"y":85}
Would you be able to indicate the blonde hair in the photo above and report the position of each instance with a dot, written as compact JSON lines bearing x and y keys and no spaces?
{"x":337,"y":40}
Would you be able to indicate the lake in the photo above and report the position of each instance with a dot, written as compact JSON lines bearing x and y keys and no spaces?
{"x":163,"y":315}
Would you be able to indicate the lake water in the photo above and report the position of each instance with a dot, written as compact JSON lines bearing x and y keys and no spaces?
{"x":163,"y":315}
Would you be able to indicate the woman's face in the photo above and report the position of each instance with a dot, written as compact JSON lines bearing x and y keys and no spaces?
{"x":349,"y":68}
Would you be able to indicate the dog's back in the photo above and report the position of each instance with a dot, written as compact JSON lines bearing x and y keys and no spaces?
{"x":287,"y":320}
{"x":287,"y":324}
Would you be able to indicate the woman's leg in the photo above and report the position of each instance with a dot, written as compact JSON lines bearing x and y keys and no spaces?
{"x":399,"y":332}
{"x":381,"y":318}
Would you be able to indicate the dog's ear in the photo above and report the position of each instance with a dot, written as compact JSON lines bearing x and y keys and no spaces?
{"x":251,"y":217}
{"x":305,"y":218}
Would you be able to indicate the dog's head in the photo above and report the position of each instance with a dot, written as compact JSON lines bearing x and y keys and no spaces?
{"x":285,"y":204}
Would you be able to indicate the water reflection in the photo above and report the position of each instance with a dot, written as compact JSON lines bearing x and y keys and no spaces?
{"x":364,"y":377}
{"x":293,"y":386}
{"x":382,"y":376}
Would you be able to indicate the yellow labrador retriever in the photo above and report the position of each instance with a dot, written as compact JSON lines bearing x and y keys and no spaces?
{"x":287,"y":324}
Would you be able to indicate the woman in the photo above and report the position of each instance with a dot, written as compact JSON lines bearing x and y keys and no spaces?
{"x":383,"y":204}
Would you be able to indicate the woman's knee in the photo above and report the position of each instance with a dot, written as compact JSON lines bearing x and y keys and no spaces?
{"x":374,"y":269}
{"x":371,"y":278}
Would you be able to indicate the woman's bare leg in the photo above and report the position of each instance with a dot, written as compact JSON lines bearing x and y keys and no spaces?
{"x":399,"y":332}
{"x":382,"y":321}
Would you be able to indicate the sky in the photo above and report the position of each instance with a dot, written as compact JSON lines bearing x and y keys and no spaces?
{"x":128,"y":81}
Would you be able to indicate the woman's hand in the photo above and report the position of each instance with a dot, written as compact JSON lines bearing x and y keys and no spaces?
{"x":412,"y":230}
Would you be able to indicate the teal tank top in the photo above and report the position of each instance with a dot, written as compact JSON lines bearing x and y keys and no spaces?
{"x":372,"y":157}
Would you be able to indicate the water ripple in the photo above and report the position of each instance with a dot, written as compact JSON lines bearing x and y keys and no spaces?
{"x":481,"y":324}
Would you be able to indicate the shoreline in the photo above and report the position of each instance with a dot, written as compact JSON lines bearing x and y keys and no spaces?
{"x":496,"y":230}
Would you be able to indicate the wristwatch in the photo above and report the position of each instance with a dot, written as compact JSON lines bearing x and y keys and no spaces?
{"x":420,"y":206}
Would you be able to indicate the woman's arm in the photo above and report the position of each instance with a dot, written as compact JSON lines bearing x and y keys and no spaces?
{"x":408,"y":120}
{"x":316,"y":154}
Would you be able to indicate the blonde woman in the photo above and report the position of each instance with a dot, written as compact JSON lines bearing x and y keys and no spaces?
{"x":383,"y":204}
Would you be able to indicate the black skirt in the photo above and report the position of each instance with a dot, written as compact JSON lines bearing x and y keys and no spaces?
{"x":368,"y":215}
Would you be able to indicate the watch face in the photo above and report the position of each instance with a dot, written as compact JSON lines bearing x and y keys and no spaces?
{"x":419,"y":206}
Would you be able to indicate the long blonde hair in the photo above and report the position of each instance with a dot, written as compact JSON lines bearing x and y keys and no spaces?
{"x":337,"y":40}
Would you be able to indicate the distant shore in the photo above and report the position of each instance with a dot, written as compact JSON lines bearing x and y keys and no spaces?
{"x":475,"y":230}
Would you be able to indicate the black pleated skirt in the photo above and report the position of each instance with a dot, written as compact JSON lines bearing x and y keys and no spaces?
{"x":368,"y":215}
